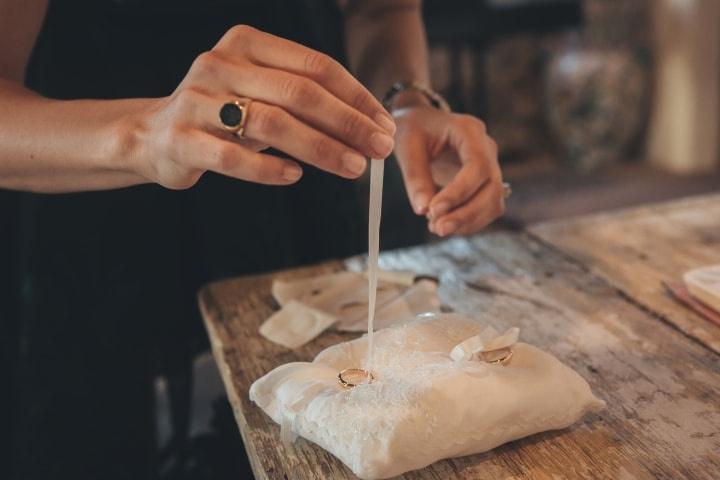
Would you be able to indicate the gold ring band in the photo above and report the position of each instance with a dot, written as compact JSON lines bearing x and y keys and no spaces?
{"x":234,"y":115}
{"x":499,"y":357}
{"x":345,"y":382}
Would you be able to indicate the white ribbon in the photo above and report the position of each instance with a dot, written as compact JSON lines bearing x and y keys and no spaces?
{"x":488,"y":340}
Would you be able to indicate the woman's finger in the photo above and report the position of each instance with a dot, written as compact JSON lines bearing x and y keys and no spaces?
{"x":274,"y":126}
{"x":308,"y":101}
{"x":271,"y":125}
{"x":304,"y":98}
{"x":275,"y":52}
{"x":478,"y":161}
{"x":192,"y":148}
{"x":413,"y":158}
{"x":481,"y":210}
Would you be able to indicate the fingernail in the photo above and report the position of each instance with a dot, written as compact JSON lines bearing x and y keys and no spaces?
{"x":431,"y":227}
{"x":292,"y":173}
{"x":354,"y":163}
{"x":448,"y":228}
{"x":439,"y":210}
{"x":386,"y":122}
{"x":420,"y":203}
{"x":382,"y":144}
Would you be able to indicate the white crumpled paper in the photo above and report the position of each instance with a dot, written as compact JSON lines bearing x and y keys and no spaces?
{"x":340,"y":300}
{"x":425,"y":404}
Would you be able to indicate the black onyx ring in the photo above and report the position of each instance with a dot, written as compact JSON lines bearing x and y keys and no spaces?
{"x":233,"y":115}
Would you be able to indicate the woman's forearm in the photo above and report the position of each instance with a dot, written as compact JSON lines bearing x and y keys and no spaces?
{"x":64,"y":145}
{"x":386,"y":43}
{"x":303,"y":103}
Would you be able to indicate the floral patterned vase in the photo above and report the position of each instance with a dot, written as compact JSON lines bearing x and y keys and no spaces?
{"x":595,"y":103}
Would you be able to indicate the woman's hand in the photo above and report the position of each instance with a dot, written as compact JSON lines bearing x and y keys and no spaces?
{"x":304,"y":104}
{"x":474,"y":197}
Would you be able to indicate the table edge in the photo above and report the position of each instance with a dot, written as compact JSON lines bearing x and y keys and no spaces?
{"x":205,"y":302}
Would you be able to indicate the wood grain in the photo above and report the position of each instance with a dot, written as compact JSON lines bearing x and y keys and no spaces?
{"x":640,"y":248}
{"x":663,"y":414}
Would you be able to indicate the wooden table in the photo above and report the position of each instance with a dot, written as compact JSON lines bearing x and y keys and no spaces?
{"x":639,"y":248}
{"x":588,"y":291}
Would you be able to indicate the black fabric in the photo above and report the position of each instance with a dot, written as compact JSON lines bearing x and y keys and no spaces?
{"x":8,"y":321}
{"x":109,"y":278}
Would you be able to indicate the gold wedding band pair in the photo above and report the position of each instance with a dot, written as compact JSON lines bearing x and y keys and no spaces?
{"x":352,"y":377}
{"x":234,"y":115}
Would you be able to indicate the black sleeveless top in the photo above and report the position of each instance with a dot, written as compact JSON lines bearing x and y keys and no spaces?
{"x":144,"y":251}
{"x":108,"y":280}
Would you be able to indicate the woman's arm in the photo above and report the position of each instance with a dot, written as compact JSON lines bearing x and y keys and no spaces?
{"x":59,"y":146}
{"x":60,"y":162}
{"x":386,"y":43}
{"x":304,"y":103}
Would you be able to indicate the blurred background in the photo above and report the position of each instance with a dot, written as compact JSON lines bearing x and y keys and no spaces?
{"x":595,"y":104}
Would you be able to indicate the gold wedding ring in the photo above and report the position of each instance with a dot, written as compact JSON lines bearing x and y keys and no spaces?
{"x":234,"y":115}
{"x":352,"y":377}
{"x":497,"y":357}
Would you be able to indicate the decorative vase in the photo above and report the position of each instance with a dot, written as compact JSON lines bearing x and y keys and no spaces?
{"x":596,"y":85}
{"x":595,"y":104}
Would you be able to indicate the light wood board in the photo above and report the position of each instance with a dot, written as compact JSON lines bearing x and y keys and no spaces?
{"x":638,"y":249}
{"x":663,"y":414}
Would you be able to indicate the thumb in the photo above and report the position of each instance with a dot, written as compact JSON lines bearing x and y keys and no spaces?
{"x":414,"y":160}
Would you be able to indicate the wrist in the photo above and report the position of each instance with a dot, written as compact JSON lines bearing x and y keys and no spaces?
{"x":124,"y":151}
{"x":413,"y":94}
{"x":408,"y":99}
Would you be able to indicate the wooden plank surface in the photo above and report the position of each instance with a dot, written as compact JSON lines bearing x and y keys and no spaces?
{"x":663,"y":414}
{"x":640,"y":248}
